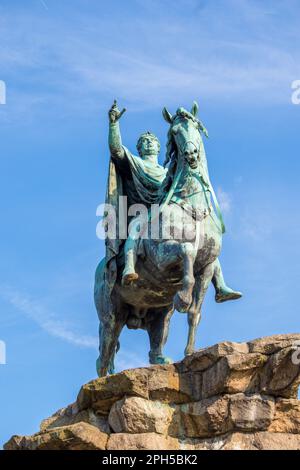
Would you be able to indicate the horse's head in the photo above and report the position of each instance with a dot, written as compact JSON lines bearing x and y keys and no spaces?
{"x":184,"y":138}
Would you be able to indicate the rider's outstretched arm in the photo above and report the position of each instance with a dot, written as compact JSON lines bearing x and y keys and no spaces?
{"x":115,"y":141}
{"x":114,"y":136}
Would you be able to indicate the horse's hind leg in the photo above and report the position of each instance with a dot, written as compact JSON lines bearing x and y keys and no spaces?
{"x":194,"y":314}
{"x":158,"y":330}
{"x":109,"y":332}
{"x":183,"y":298}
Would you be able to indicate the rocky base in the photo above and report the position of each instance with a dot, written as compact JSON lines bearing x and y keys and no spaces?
{"x":239,"y":396}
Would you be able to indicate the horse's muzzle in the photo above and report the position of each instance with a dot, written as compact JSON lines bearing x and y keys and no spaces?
{"x":192,"y":161}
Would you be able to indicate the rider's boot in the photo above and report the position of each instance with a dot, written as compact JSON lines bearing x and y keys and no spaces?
{"x":223,"y":292}
{"x":129,"y":274}
{"x":226,"y":293}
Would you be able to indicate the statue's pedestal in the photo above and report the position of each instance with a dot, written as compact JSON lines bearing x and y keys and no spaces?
{"x":228,"y":396}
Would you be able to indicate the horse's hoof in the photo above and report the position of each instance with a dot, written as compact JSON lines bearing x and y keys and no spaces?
{"x":160,"y":360}
{"x":188,"y":352}
{"x":128,"y":278}
{"x":101,"y":371}
{"x":182,"y":301}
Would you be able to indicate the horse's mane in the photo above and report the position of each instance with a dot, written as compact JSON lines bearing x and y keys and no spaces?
{"x":171,"y":161}
{"x":171,"y":152}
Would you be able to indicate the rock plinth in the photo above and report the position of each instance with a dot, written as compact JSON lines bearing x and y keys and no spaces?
{"x":240,"y":396}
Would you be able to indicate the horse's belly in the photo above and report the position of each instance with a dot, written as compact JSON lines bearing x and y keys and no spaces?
{"x":154,"y":288}
{"x":144,"y":298}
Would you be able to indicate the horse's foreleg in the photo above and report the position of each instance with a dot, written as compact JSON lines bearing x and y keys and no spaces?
{"x":183,"y":298}
{"x":158,"y":330}
{"x":194,"y":313}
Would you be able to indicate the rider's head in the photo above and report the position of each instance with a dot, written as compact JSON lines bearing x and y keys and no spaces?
{"x":148,"y":144}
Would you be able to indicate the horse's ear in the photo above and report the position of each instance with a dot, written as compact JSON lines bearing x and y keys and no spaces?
{"x":194,"y":110}
{"x":167,"y":116}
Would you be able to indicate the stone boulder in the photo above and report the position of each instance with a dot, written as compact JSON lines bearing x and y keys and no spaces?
{"x":73,"y":437}
{"x":228,"y":396}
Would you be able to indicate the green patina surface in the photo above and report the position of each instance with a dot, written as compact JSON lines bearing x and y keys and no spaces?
{"x":141,"y":282}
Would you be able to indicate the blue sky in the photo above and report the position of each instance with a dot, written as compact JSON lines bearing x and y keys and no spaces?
{"x":63,"y":63}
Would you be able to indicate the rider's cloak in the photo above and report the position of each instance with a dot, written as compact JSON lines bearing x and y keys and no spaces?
{"x":142,"y":188}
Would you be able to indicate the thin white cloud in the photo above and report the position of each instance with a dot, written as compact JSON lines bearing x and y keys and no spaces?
{"x":47,"y":320}
{"x":44,"y":4}
{"x":128,"y":360}
{"x":208,"y":55}
{"x":258,"y":228}
{"x":36,"y":311}
{"x":224,"y":200}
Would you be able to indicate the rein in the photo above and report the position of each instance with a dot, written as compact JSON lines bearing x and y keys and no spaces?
{"x":205,"y":186}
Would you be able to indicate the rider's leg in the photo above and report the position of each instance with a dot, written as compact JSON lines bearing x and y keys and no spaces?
{"x":130,"y":250}
{"x":223,"y":292}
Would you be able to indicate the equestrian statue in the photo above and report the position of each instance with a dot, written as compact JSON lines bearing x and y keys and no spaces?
{"x":165,"y":259}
